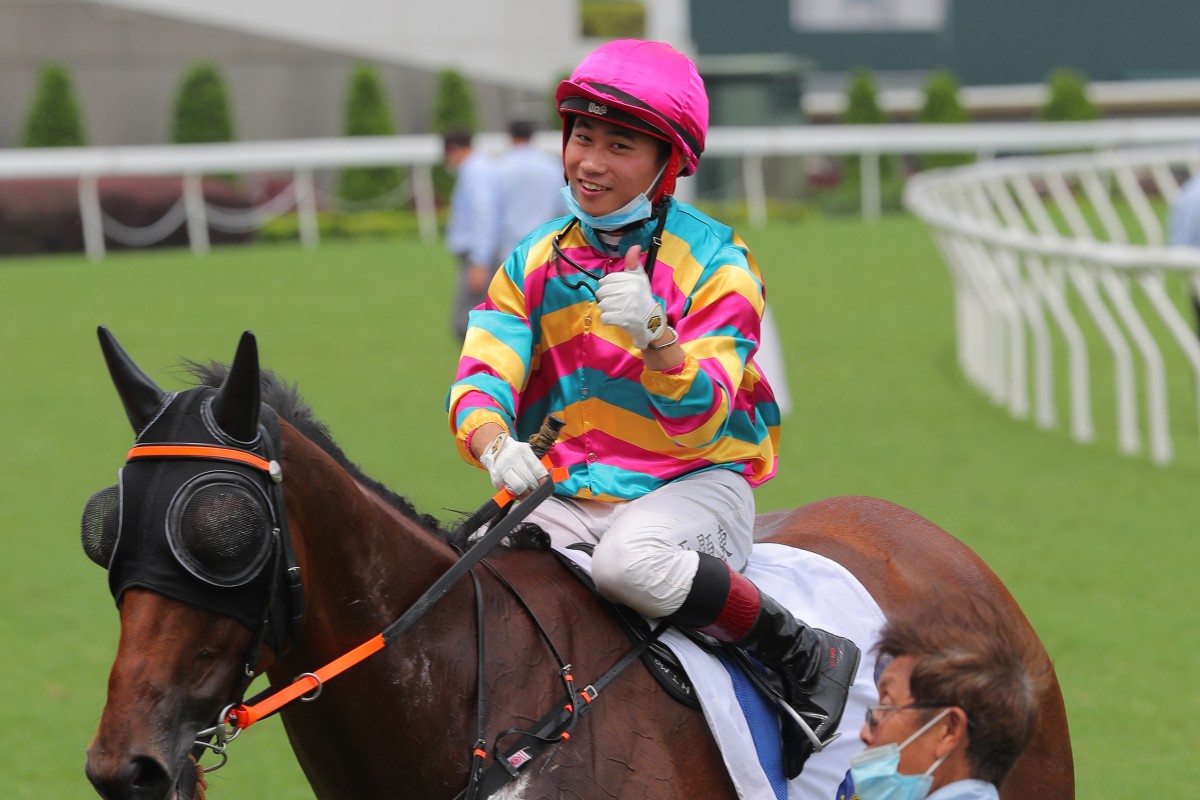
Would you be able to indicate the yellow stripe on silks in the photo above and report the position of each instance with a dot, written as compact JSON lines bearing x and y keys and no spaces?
{"x":678,"y":253}
{"x":507,"y":296}
{"x":476,"y":419}
{"x":724,"y":351}
{"x":728,"y":279}
{"x":705,"y":433}
{"x":750,"y":260}
{"x":540,"y":252}
{"x":496,"y":353}
{"x":672,"y":386}
{"x":565,"y":324}
{"x":647,"y":434}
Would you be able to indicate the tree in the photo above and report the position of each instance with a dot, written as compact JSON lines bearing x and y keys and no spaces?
{"x":368,"y":114}
{"x":202,"y":112}
{"x":53,"y":119}
{"x":941,"y":107}
{"x":862,"y":108}
{"x":454,"y":109}
{"x":1068,"y":98}
{"x":455,"y":103}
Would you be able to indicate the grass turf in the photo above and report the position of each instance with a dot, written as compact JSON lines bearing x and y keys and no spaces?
{"x":1098,"y":548}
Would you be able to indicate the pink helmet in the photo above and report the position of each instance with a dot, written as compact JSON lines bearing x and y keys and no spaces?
{"x":647,"y":86}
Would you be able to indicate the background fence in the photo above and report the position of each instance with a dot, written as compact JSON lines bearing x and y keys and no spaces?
{"x":750,"y":146}
{"x":1063,"y":258}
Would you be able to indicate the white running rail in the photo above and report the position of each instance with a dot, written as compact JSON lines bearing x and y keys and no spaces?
{"x":1065,"y":257}
{"x":750,"y":145}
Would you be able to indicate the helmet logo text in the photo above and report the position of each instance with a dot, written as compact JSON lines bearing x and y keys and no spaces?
{"x":597,"y":108}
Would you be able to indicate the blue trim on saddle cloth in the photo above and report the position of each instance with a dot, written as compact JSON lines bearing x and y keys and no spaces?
{"x":763,"y":721}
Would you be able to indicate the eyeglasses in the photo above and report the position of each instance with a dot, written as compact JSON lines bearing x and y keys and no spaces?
{"x":873,"y":712}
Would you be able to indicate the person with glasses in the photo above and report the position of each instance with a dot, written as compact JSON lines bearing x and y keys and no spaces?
{"x":960,"y":687}
{"x":636,"y":319}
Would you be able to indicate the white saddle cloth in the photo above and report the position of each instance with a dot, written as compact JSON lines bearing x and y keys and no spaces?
{"x":824,"y":595}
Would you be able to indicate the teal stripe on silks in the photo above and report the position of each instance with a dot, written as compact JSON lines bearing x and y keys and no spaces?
{"x":509,"y":330}
{"x":493,"y":387}
{"x":763,"y":721}
{"x":740,"y":342}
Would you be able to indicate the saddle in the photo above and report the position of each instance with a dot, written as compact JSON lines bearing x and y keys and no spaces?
{"x":670,"y":673}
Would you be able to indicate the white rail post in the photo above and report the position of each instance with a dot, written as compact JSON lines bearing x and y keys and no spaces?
{"x":90,"y":217}
{"x":872,"y":204}
{"x":197,"y":219}
{"x":423,"y":198}
{"x":306,"y":208}
{"x":755,"y":188}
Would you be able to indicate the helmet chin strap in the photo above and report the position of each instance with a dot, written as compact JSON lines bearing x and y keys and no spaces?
{"x":666,"y":188}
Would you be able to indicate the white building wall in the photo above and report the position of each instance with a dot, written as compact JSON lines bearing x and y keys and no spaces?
{"x":525,"y":43}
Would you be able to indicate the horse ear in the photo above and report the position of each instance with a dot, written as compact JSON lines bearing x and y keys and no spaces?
{"x":139,"y":394}
{"x":235,"y":408}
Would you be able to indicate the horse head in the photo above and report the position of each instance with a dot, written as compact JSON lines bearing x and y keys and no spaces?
{"x":194,"y":539}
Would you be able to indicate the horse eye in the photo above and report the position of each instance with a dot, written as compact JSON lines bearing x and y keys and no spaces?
{"x":221,"y":531}
{"x":98,"y":530}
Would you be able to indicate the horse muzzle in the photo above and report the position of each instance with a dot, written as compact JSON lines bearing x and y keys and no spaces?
{"x":141,"y":778}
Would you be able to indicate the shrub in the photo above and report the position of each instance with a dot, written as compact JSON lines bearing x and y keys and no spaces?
{"x":454,"y":108}
{"x":1067,"y":98}
{"x":53,"y":119}
{"x":862,"y":108}
{"x":455,"y":103}
{"x":942,"y":106}
{"x":613,"y":19}
{"x":368,"y":114}
{"x":202,"y":112}
{"x":42,"y":216}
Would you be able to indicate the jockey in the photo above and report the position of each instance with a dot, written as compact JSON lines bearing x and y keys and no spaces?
{"x":636,"y":319}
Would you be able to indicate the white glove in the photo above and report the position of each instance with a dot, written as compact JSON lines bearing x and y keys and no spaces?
{"x":626,"y":302}
{"x":512,"y":465}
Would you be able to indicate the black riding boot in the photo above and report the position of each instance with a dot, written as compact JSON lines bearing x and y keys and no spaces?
{"x":815,"y":668}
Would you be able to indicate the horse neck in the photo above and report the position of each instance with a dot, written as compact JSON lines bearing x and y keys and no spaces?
{"x":362,"y":561}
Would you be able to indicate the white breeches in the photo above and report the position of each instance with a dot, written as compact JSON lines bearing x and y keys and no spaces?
{"x":645,"y":554}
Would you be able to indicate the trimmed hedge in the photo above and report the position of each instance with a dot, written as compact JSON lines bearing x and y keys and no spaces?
{"x":1068,"y":99}
{"x":368,"y":114}
{"x":54,"y":119}
{"x":42,"y":216}
{"x":201,"y":112}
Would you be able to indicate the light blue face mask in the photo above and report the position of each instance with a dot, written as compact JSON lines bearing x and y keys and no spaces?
{"x":876,"y":776}
{"x":636,"y":210}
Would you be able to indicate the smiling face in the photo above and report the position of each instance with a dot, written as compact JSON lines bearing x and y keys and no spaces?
{"x":608,"y":165}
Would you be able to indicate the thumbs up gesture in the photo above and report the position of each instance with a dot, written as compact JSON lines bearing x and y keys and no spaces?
{"x":626,"y":301}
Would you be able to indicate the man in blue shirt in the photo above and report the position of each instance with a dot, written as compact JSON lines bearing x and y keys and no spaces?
{"x":473,"y":224}
{"x":530,"y":185}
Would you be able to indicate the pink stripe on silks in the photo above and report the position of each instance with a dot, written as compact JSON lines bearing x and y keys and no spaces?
{"x":468,"y":365}
{"x":737,"y":616}
{"x":733,"y":311}
{"x":476,"y":399}
{"x":618,"y":453}
{"x":535,"y":285}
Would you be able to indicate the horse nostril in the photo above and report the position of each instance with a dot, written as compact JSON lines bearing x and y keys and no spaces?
{"x":141,"y":777}
{"x":149,"y":775}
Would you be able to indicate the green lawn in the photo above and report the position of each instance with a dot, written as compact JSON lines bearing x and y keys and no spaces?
{"x":1099,"y":548}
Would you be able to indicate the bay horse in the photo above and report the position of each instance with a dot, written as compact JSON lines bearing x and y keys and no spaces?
{"x":214,"y":605}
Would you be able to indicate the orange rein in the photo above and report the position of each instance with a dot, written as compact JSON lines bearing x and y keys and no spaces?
{"x":245,"y":715}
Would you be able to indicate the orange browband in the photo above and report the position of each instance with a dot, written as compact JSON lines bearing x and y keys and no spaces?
{"x":197,"y":451}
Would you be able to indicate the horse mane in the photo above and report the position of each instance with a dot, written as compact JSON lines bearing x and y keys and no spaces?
{"x":285,"y":398}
